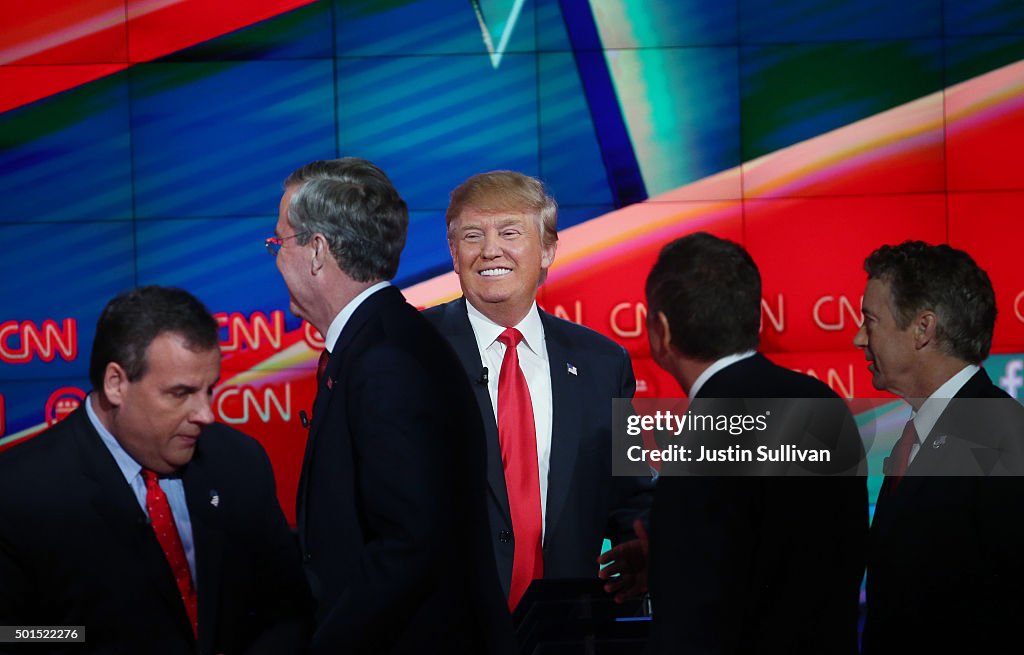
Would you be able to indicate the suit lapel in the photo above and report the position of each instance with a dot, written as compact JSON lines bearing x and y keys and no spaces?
{"x":566,"y":418}
{"x":320,"y":403}
{"x":953,"y":431}
{"x":933,"y":450}
{"x":459,"y":332}
{"x":203,"y":500}
{"x":328,"y":390}
{"x":115,"y":502}
{"x":112,"y":497}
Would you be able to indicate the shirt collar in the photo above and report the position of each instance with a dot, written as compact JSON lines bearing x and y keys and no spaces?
{"x":338,"y":324}
{"x":717,"y":366}
{"x":129,"y":467}
{"x":487,"y":331}
{"x":931,"y":409}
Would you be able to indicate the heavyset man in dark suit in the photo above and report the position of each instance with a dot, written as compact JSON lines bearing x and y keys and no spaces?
{"x":748,"y":564}
{"x":945,"y":570}
{"x":390,"y":509}
{"x":551,"y":497}
{"x":140,"y":518}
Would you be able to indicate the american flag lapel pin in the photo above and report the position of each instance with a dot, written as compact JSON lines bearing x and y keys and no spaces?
{"x":214,"y":498}
{"x":570,"y":368}
{"x":330,"y":383}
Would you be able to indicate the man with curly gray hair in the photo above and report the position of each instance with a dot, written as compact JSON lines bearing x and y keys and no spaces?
{"x":944,"y":564}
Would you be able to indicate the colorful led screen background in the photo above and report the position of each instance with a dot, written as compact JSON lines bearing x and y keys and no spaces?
{"x":145,"y":142}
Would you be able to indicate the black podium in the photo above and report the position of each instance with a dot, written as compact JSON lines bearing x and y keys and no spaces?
{"x":577,"y":617}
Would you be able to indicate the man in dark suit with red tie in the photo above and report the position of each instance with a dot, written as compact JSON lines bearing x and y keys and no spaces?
{"x":750,"y":561}
{"x":945,"y":570}
{"x":390,"y":503}
{"x":544,"y":388}
{"x":140,"y":518}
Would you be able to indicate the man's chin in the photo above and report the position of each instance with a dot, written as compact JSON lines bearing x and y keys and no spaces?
{"x":484,"y":301}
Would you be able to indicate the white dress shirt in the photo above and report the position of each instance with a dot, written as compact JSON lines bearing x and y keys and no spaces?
{"x":931,"y":409}
{"x":533,"y":360}
{"x":338,"y":324}
{"x":715,"y":367}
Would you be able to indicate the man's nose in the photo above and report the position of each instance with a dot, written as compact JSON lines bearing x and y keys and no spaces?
{"x":203,"y":412}
{"x":860,"y":339}
{"x":491,"y":246}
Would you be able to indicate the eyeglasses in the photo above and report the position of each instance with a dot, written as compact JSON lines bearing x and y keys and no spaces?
{"x":274,"y":244}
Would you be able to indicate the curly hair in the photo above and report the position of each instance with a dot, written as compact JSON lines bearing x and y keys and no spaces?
{"x":943,"y":280}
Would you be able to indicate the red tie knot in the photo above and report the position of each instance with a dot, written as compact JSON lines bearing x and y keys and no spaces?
{"x":321,"y":365}
{"x":510,"y":337}
{"x":150,"y":477}
{"x":901,"y":451}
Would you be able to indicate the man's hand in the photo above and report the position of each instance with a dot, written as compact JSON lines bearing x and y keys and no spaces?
{"x":629,"y":561}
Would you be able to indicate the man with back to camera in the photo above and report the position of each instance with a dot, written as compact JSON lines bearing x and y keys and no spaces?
{"x":945,"y":570}
{"x":140,"y":518}
{"x":544,"y":388}
{"x":390,"y":503}
{"x":747,"y":564}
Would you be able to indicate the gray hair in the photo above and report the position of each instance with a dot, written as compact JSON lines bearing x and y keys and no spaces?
{"x":353,"y":204}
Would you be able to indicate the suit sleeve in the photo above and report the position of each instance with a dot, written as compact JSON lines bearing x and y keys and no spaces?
{"x":15,"y":580}
{"x":404,"y":489}
{"x":13,"y":585}
{"x":630,"y":496}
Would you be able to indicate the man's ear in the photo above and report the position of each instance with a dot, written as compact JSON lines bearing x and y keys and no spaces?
{"x":924,"y":327}
{"x":321,"y":251}
{"x":547,"y":255}
{"x":115,"y":383}
{"x":455,"y":259}
{"x":660,"y":334}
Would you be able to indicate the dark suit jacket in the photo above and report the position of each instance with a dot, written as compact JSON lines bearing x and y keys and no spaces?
{"x":390,"y":503}
{"x":945,"y":567}
{"x":75,"y":549}
{"x":762,"y":564}
{"x":585,"y":503}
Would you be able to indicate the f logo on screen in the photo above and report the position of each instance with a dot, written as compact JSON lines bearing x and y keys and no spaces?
{"x":62,"y":402}
{"x":1012,"y":379}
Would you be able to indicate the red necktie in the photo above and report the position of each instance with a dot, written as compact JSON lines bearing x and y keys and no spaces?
{"x":321,"y":366}
{"x":901,"y":453}
{"x":518,"y":436}
{"x":167,"y":534}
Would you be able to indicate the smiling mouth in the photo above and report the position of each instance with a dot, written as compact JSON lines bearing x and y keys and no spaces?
{"x":495,"y":272}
